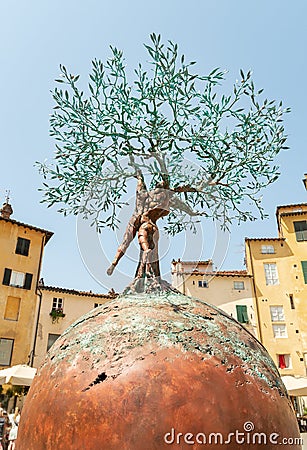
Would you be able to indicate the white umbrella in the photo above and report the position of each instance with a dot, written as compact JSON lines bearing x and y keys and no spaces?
{"x":20,"y":375}
{"x":296,"y":386}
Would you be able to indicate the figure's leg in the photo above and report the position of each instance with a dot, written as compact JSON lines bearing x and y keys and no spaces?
{"x":147,"y":276}
{"x":144,"y":250}
{"x":155,"y":253}
{"x":128,"y":238}
{"x":148,"y":237}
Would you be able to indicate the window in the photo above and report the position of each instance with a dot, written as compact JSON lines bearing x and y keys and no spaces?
{"x":96,"y":305}
{"x":51,"y":339}
{"x":22,"y":247}
{"x":300,"y":229}
{"x":271,"y":275}
{"x":57,"y":303}
{"x":203,"y":284}
{"x":12,"y":308}
{"x":242,"y":315}
{"x":277,"y":313}
{"x":284,"y":361}
{"x":291,"y":301}
{"x":304,"y":268}
{"x":6,"y":350}
{"x":280,"y":331}
{"x":238,"y":285}
{"x":267,"y":249}
{"x":17,"y":279}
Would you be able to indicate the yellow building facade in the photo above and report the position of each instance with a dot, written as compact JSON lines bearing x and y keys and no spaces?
{"x":279,"y":269}
{"x":32,"y":316}
{"x":229,"y":290}
{"x":59,"y":308}
{"x":21,"y":250}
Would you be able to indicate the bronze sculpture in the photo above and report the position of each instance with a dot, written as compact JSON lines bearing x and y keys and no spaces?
{"x":154,"y":361}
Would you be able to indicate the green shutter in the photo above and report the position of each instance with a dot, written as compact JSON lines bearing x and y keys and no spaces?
{"x":242,"y":315}
{"x":7,"y":277}
{"x":28,"y":281}
{"x":304,"y":267}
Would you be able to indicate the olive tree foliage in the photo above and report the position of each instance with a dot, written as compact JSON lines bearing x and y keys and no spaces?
{"x":215,"y":152}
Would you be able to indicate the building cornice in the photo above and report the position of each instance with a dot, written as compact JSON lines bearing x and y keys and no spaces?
{"x":293,"y":213}
{"x":233,"y":273}
{"x":265,"y":239}
{"x":294,"y":205}
{"x":76,"y":292}
{"x":47,"y":233}
{"x":198,"y":263}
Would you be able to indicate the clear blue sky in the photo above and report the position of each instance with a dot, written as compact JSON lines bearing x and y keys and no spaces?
{"x":269,"y":37}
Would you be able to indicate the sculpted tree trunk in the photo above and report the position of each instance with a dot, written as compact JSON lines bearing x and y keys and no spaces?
{"x":150,"y":206}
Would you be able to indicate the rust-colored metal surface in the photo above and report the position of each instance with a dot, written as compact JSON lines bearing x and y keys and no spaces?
{"x":152,"y":372}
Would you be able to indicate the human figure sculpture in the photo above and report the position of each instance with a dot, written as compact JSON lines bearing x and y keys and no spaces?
{"x":150,"y":206}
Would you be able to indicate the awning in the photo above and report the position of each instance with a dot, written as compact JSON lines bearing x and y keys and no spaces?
{"x":296,"y":386}
{"x":20,"y":375}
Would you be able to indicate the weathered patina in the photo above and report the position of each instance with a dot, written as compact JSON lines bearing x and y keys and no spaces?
{"x":128,"y":373}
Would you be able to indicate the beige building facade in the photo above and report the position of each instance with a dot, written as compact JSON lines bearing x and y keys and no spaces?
{"x":230,"y":291}
{"x":279,"y":269}
{"x":59,"y":308}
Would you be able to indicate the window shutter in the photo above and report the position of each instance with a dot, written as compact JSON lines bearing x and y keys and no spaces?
{"x":18,"y":246}
{"x":28,"y":281}
{"x":242,"y":313}
{"x":304,"y":267}
{"x":26,"y":245}
{"x":7,"y":277}
{"x":12,"y":308}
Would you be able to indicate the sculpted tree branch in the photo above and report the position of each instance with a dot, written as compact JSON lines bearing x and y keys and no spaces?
{"x":192,"y":149}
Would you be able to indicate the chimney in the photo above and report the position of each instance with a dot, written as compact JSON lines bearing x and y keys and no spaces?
{"x":305,"y":181}
{"x":6,"y":211}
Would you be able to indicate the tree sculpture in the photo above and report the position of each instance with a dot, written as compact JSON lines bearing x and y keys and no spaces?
{"x":151,"y":368}
{"x":192,"y":150}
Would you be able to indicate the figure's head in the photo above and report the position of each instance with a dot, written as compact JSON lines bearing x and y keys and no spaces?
{"x":164,"y":184}
{"x":160,"y":184}
{"x":144,"y":218}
